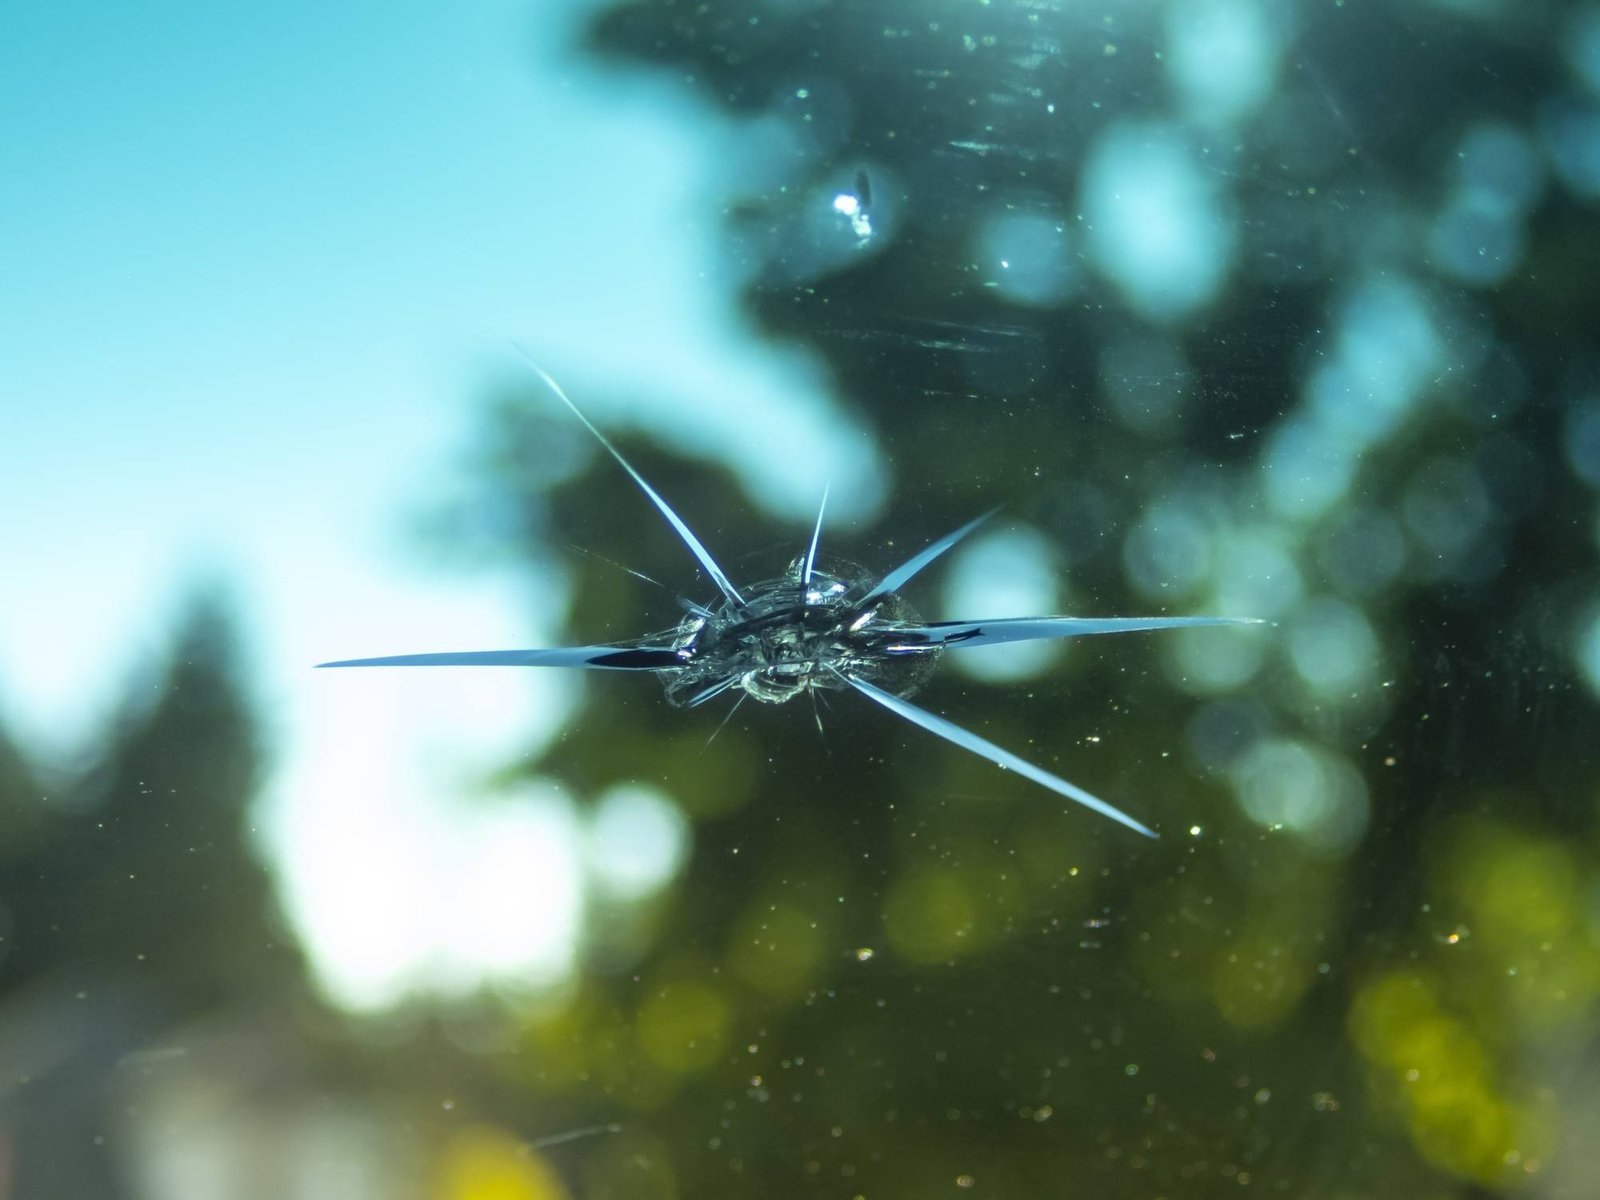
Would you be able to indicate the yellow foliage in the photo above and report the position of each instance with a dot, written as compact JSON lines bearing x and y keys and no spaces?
{"x":1434,"y":1067}
{"x":1523,"y":897}
{"x":485,"y":1163}
{"x":1521,"y":887}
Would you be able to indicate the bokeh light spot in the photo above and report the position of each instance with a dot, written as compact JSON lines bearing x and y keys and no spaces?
{"x":1582,"y":439}
{"x":1010,"y":573}
{"x":1307,"y":472}
{"x":1283,"y":783}
{"x":1475,"y":240}
{"x":684,"y":1026}
{"x":1588,"y":652}
{"x":1572,"y":136}
{"x":930,"y":915}
{"x":637,"y":841}
{"x":1260,"y":978}
{"x":1581,"y":41}
{"x":1500,"y":166}
{"x":489,"y":1164}
{"x":1221,"y":57}
{"x":1168,"y":552}
{"x":1333,"y":647}
{"x":1157,"y":223}
{"x":1253,"y":573}
{"x":777,"y":949}
{"x":1201,"y":663}
{"x":1433,"y":1067}
{"x":1028,"y":257}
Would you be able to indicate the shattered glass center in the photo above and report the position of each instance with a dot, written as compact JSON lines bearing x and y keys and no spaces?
{"x":790,"y":635}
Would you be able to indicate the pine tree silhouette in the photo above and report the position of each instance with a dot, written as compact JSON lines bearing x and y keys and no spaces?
{"x":130,"y":905}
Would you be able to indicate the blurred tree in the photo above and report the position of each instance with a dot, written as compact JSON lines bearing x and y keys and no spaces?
{"x":1277,"y":308}
{"x":133,"y":901}
{"x":20,"y":803}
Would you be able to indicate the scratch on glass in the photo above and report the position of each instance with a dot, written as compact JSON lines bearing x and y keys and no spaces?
{"x":573,"y":1135}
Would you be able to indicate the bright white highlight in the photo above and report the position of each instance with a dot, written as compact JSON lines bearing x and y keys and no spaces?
{"x":637,"y":841}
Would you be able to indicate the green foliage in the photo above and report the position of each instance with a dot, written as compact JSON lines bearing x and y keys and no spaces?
{"x":886,"y":970}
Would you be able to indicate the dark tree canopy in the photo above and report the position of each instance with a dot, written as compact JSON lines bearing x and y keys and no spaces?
{"x":1360,"y":956}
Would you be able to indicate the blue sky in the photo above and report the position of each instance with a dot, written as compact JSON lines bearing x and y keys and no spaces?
{"x":259,"y":264}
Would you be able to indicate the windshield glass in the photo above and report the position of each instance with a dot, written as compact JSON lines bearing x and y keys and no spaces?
{"x":992,"y":598}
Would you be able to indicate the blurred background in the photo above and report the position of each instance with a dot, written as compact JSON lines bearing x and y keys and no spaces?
{"x":1271,"y":309}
